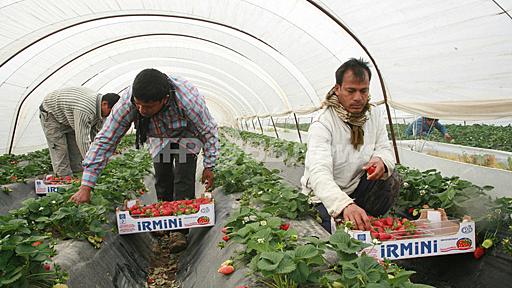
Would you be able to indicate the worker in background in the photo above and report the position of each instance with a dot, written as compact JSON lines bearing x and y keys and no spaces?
{"x":423,"y":126}
{"x":70,"y":118}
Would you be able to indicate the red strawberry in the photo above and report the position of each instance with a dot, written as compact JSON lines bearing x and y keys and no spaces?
{"x":226,"y":270}
{"x":479,"y":252}
{"x":371,"y":170}
{"x":284,"y":226}
{"x":411,"y":210}
{"x":377,"y":223}
{"x":14,"y":178}
{"x":225,"y":230}
{"x":37,"y":243}
{"x":384,"y":236}
{"x":151,"y":280}
{"x":47,"y":266}
{"x":225,"y":238}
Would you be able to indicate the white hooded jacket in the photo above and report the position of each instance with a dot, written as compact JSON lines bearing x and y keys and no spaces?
{"x":333,"y":167}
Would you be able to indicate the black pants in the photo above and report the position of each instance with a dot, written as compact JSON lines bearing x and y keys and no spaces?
{"x":375,"y":197}
{"x":175,"y":177}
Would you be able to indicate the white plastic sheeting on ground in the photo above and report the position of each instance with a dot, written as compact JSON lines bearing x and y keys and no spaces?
{"x":448,"y":59}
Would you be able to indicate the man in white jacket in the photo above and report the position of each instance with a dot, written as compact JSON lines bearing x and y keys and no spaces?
{"x":349,"y":163}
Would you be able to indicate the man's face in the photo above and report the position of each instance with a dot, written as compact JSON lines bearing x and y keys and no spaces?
{"x":430,"y":122}
{"x":105,"y":110}
{"x":352,"y":93}
{"x":148,"y":109}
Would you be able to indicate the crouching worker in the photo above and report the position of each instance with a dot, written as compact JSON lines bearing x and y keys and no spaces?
{"x":172,"y":116}
{"x":70,"y":118}
{"x":349,"y":163}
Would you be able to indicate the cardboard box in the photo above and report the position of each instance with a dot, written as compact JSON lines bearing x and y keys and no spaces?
{"x":126,"y":224}
{"x":43,"y":188}
{"x":441,"y":237}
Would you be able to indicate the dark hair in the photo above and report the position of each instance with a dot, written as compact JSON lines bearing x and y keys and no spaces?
{"x":111,"y":99}
{"x":357,"y":66}
{"x":150,"y":85}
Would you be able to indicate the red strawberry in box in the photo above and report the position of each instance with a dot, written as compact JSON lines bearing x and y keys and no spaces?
{"x":170,"y":208}
{"x":395,"y":228}
{"x":58,"y":180}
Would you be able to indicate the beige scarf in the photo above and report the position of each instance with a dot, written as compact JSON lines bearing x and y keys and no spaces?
{"x":354,"y":120}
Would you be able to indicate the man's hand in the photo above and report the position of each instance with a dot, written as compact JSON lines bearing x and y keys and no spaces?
{"x":357,"y":216}
{"x":378,"y":171}
{"x":82,"y":196}
{"x":447,"y":137}
{"x":207,"y":179}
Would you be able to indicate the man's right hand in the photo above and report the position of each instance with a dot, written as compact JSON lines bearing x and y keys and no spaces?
{"x":357,"y":216}
{"x":82,"y":196}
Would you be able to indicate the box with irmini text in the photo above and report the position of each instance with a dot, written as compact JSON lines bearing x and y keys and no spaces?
{"x":438,"y":236}
{"x":166,"y":217}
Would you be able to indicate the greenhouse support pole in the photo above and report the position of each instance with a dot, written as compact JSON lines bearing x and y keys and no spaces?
{"x":391,"y":128}
{"x":253,"y":126}
{"x":383,"y":87}
{"x":261,"y":127}
{"x":275,"y":129}
{"x":297,"y":126}
{"x":246,"y":125}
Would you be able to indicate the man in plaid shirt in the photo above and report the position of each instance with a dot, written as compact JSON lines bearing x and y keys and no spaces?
{"x":172,"y":115}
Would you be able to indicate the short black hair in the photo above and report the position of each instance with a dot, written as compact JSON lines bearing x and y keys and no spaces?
{"x":111,"y":99}
{"x":150,"y":85}
{"x":357,"y":66}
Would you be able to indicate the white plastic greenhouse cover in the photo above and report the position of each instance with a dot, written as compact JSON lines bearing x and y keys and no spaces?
{"x":448,"y":59}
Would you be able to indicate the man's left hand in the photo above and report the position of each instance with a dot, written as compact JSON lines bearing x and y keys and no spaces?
{"x":379,"y":167}
{"x":207,"y":179}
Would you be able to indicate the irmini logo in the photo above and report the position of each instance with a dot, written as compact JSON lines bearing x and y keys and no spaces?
{"x":408,"y":249}
{"x":151,"y":225}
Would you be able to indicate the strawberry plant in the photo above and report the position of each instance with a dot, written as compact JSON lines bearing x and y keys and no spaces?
{"x":477,"y":135}
{"x":17,"y":168}
{"x":273,"y":249}
{"x":23,"y":255}
{"x":293,"y":153}
{"x":237,"y":172}
{"x":429,"y":188}
{"x":25,"y":233}
{"x":292,"y":126}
